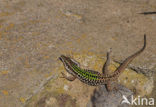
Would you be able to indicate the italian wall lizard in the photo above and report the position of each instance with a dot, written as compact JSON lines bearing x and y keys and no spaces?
{"x":92,"y":77}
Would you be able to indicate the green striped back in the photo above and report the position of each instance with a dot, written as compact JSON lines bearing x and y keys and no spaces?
{"x":84,"y":73}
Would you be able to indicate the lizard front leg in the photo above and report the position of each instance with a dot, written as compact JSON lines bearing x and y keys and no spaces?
{"x":69,"y":78}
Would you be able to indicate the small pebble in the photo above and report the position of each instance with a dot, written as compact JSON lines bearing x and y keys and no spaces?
{"x":132,"y":81}
{"x":66,"y":87}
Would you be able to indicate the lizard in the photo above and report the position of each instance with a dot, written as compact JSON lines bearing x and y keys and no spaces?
{"x":95,"y":78}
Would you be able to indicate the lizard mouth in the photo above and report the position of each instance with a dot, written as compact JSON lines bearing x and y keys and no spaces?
{"x":60,"y":59}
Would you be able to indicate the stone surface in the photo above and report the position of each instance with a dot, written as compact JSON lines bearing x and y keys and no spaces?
{"x":34,"y":33}
{"x":138,"y":83}
{"x":103,"y":98}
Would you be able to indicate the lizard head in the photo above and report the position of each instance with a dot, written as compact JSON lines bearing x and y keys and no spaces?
{"x":67,"y":61}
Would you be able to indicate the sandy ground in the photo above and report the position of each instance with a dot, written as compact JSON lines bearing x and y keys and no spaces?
{"x":34,"y":33}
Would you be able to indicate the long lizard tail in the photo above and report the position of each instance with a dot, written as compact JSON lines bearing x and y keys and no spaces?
{"x":122,"y":66}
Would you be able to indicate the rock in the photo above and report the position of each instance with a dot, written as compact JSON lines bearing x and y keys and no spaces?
{"x":58,"y":91}
{"x":103,"y":98}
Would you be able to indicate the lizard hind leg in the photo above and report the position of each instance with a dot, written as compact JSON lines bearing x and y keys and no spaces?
{"x":69,"y":78}
{"x":109,"y":87}
{"x":105,"y":70}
